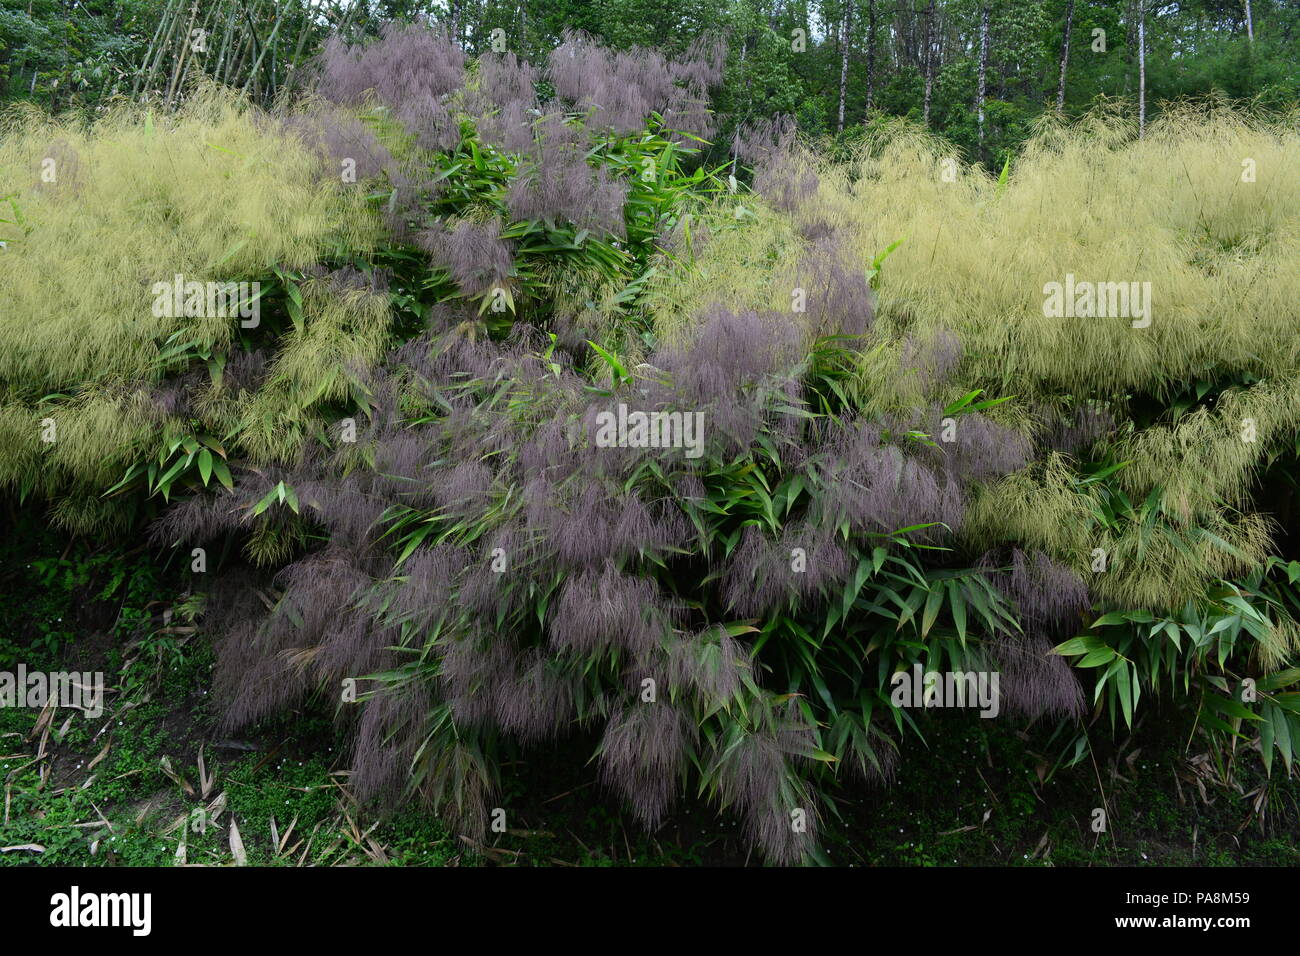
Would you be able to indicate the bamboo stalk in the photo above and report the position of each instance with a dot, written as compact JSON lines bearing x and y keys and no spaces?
{"x":225,"y":42}
{"x":185,"y":49}
{"x":208,"y":16}
{"x":173,"y":19}
{"x":302,"y":39}
{"x":254,"y":48}
{"x":135,"y":88}
{"x":249,"y":46}
{"x":252,"y":74}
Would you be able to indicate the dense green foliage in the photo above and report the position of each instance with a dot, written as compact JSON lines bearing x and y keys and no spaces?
{"x":868,"y":58}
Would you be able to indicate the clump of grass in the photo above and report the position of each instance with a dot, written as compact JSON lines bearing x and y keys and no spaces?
{"x":208,"y":192}
{"x":98,"y":215}
{"x":1206,"y":209}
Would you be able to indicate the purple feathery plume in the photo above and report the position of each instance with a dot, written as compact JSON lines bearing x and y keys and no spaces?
{"x":710,"y":663}
{"x":1049,"y":595}
{"x":620,"y":89}
{"x":600,"y":611}
{"x":408,"y":64}
{"x":932,"y":359}
{"x":642,"y":755}
{"x":1036,"y":682}
{"x":1076,"y":433}
{"x":538,"y":702}
{"x":979,"y":448}
{"x":555,"y":181}
{"x":343,"y":141}
{"x":475,"y":254}
{"x":837,"y":297}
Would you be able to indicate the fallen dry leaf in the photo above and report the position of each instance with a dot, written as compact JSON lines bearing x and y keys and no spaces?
{"x":237,"y":845}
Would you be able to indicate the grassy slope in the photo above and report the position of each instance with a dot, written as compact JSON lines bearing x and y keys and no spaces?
{"x":977,"y":796}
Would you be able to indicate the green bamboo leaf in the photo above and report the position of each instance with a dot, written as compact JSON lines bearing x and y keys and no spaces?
{"x":932,"y":605}
{"x":619,"y":372}
{"x":957,"y":602}
{"x":1231,"y":707}
{"x":1279,"y":680}
{"x":294,"y":307}
{"x":222,"y":471}
{"x":962,"y":402}
{"x":1102,"y":655}
{"x":1110,"y":620}
{"x":267,"y":501}
{"x":1283,"y":738}
{"x":1267,"y":735}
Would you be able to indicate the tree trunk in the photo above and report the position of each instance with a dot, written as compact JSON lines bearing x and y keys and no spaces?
{"x":871,"y":55}
{"x":181,"y":62}
{"x":148,"y":53}
{"x":984,"y":68}
{"x":929,"y":58}
{"x":846,"y":37}
{"x":1250,"y":26}
{"x":224,"y":49}
{"x":298,"y":47}
{"x":1065,"y":57}
{"x":157,"y":54}
{"x":1142,"y":73}
{"x":257,"y":64}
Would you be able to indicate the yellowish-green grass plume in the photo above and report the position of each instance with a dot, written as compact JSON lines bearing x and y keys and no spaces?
{"x":99,"y":214}
{"x":1205,"y":208}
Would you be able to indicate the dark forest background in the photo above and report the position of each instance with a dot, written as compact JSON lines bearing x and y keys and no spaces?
{"x":978,"y":71}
